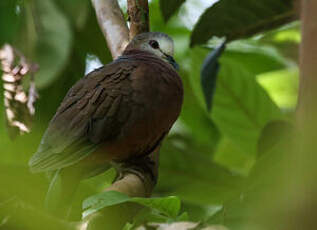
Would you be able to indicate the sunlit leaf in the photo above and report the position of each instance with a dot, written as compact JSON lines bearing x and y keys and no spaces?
{"x":282,"y":86}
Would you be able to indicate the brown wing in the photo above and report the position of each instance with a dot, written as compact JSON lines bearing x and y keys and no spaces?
{"x":87,"y":116}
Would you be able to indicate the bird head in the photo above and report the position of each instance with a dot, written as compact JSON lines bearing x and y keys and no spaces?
{"x":159,"y":44}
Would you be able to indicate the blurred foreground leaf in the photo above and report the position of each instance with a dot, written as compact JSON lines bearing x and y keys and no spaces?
{"x":77,"y":11}
{"x":235,"y":19}
{"x":52,"y":40}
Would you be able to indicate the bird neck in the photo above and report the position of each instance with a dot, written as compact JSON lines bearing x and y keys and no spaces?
{"x":141,"y":55}
{"x":137,"y":52}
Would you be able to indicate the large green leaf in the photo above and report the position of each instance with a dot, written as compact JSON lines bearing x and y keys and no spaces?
{"x":232,"y":157}
{"x":201,"y":128}
{"x":168,"y":8}
{"x":272,"y":134}
{"x":256,"y":57}
{"x":241,"y":108}
{"x":236,"y":19}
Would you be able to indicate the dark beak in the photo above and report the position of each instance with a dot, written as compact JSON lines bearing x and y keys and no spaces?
{"x":171,"y":60}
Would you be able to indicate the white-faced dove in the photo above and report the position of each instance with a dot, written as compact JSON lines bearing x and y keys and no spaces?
{"x":117,"y":113}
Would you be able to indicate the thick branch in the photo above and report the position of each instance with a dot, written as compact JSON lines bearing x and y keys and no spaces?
{"x":138,"y":11}
{"x":307,"y":106}
{"x":112,"y":25}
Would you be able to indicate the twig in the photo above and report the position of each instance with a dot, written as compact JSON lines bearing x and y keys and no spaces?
{"x":138,"y":11}
{"x":112,"y":25}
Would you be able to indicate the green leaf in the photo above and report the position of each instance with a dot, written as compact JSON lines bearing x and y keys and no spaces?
{"x":99,"y":201}
{"x":128,"y":226}
{"x":168,"y":8}
{"x":191,"y":175}
{"x":183,"y":217}
{"x":256,"y":57}
{"x":195,"y":118}
{"x":169,"y":206}
{"x":272,"y":134}
{"x":249,"y":57}
{"x":282,"y":86}
{"x":241,"y":108}
{"x":232,"y":157}
{"x":235,"y":19}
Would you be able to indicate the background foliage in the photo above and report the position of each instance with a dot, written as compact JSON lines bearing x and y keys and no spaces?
{"x":213,"y":160}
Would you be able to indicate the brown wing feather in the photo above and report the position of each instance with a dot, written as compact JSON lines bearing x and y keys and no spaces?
{"x":86,"y":117}
{"x":122,"y":110}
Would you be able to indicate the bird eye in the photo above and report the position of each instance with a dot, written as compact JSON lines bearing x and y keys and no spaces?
{"x":154,"y":44}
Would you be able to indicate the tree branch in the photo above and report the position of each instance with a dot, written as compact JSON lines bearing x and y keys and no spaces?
{"x":138,"y":11}
{"x":112,"y":25}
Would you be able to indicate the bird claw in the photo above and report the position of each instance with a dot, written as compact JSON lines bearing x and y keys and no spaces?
{"x":140,"y":167}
